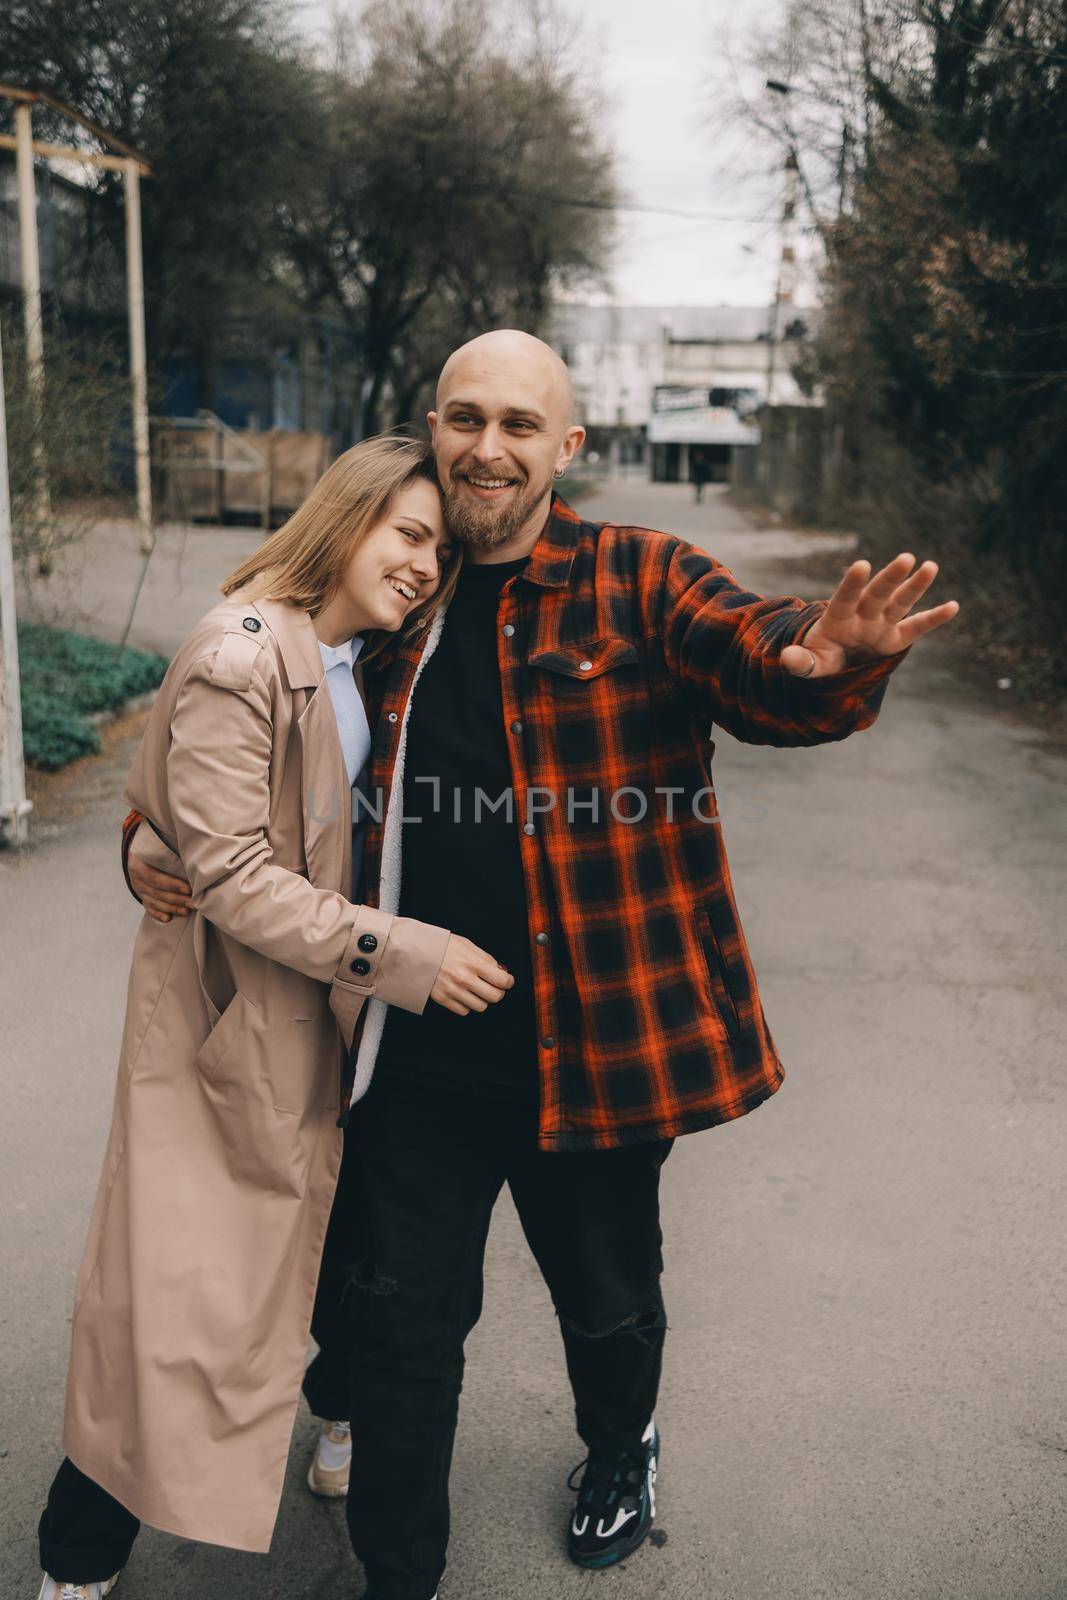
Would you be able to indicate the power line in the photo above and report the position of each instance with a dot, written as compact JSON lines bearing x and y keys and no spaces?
{"x":998,"y":47}
{"x":626,"y":205}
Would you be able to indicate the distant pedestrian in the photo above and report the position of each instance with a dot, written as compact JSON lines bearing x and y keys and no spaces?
{"x":699,"y":474}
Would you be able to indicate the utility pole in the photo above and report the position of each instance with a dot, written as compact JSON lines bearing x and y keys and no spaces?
{"x":785,"y":285}
{"x":843,"y":167}
{"x":14,"y":807}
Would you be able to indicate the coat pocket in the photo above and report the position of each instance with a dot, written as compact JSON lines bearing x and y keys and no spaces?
{"x":228,"y":1028}
{"x":719,"y":975}
{"x":265,"y":1145}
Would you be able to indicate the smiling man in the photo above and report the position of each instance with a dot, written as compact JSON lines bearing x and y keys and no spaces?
{"x":497,"y":461}
{"x":549,"y":740}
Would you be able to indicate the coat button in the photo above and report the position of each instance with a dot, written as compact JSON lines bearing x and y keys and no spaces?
{"x":392,"y":716}
{"x":541,"y":938}
{"x":367,"y":943}
{"x":360,"y":967}
{"x":528,"y":827}
{"x":516,"y":727}
{"x":507,"y":630}
{"x":585,"y":666}
{"x":548,"y":1043}
{"x":253,"y":624}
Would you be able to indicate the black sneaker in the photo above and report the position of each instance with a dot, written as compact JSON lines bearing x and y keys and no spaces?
{"x":616,"y":1504}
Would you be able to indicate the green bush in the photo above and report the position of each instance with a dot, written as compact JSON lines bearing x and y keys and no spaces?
{"x":52,"y":733}
{"x":65,"y":678}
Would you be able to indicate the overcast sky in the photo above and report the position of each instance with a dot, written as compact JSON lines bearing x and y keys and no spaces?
{"x":666,"y":68}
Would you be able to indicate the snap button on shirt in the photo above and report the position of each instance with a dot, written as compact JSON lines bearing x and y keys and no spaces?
{"x":367,"y":942}
{"x":360,"y":967}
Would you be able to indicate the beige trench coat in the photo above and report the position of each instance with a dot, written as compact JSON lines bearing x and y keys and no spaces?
{"x":194,"y":1298}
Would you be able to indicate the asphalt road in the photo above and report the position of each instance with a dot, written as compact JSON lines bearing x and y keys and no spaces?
{"x":864,"y":1394}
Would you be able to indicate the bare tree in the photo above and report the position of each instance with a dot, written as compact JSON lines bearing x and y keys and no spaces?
{"x":943,"y":340}
{"x":802,"y":86}
{"x":458,"y":178}
{"x":213,"y":92}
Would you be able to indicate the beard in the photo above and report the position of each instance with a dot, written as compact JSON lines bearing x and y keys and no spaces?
{"x":483,"y":527}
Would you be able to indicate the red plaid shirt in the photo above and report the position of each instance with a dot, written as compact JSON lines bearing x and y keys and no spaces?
{"x":618,"y":649}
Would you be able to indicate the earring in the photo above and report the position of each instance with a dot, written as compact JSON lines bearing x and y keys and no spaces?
{"x":560,"y":472}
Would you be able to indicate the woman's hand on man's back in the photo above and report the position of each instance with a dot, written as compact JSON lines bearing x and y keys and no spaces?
{"x":161,"y":895}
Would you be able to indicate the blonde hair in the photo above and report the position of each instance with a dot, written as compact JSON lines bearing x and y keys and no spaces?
{"x":304,"y":562}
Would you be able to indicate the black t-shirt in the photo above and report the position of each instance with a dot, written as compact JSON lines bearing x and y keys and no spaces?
{"x":461,"y":863}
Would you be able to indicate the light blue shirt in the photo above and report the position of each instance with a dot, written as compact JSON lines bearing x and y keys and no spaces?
{"x":352,"y":724}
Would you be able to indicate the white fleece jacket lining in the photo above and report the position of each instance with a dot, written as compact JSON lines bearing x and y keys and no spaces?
{"x":389,"y":892}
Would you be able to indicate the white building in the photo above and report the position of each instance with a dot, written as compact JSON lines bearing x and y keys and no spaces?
{"x":676,"y":386}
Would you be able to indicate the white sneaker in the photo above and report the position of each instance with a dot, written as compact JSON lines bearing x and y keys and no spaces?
{"x":328,"y":1472}
{"x":52,"y":1589}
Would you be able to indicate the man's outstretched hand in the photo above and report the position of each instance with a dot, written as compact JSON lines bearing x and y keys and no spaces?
{"x":868,"y":617}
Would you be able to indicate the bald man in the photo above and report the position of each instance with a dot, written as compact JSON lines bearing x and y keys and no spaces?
{"x":549,"y":741}
{"x":519,"y":391}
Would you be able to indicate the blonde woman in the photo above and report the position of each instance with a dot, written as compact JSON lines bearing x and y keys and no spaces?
{"x":194,"y":1297}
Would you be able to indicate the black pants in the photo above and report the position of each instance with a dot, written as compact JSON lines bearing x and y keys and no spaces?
{"x":85,"y":1535}
{"x":421,"y":1174}
{"x":401,"y":1286}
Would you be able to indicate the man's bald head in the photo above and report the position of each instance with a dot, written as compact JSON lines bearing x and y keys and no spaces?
{"x":502,"y":431}
{"x":520,"y":357}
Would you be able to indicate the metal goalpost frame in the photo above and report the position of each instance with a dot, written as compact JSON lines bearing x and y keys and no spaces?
{"x":133,"y":167}
{"x":14,"y":806}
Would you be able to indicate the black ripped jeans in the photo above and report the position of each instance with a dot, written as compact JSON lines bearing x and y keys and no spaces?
{"x":422,"y":1170}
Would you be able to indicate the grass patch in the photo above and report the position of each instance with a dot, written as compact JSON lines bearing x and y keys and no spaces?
{"x":66,"y":678}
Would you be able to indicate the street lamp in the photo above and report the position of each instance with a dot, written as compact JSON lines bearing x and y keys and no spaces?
{"x":776,"y":86}
{"x":794,"y":176}
{"x":785,"y":282}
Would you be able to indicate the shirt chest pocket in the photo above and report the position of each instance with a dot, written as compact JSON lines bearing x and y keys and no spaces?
{"x":590,"y":716}
{"x":585,"y":662}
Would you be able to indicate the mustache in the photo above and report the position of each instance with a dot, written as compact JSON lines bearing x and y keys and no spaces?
{"x":468,"y":469}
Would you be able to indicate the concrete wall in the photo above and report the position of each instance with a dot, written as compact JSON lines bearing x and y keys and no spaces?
{"x":799,"y":465}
